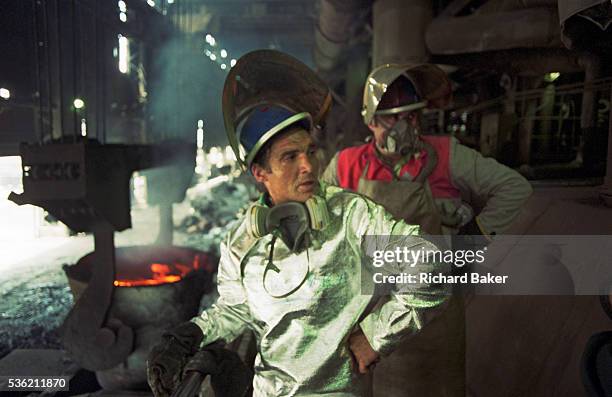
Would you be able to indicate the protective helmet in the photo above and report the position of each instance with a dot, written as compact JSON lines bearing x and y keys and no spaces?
{"x":263,"y":123}
{"x":280,"y":82}
{"x":395,"y":88}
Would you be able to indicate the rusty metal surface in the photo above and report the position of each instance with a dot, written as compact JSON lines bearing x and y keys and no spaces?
{"x":85,"y":182}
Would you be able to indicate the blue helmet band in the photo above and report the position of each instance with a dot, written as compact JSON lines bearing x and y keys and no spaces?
{"x":261,"y":126}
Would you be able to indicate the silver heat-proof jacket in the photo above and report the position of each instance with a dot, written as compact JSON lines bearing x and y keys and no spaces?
{"x":302,"y":338}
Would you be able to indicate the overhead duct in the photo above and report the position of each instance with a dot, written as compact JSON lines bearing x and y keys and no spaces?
{"x":494,"y":6}
{"x":399,"y":31}
{"x":334,"y":31}
{"x":527,"y":28}
{"x":585,"y":24}
{"x":520,"y":61}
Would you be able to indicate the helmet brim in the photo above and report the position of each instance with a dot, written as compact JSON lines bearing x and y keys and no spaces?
{"x":296,"y":118}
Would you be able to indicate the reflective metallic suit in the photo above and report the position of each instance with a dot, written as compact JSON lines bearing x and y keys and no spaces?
{"x":302,"y":337}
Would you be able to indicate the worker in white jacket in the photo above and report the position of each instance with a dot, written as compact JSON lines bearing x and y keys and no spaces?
{"x":437,"y":183}
{"x":431,"y":180}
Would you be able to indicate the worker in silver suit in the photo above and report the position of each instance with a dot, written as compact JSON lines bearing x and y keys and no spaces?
{"x":291,"y":270}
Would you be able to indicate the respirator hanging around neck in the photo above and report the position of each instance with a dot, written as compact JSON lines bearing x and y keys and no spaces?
{"x":291,"y":220}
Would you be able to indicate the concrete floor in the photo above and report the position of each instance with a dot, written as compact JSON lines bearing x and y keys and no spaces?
{"x":34,"y":299}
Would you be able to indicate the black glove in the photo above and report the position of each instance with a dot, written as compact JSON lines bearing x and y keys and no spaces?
{"x":229,"y":376}
{"x":471,"y":228}
{"x":168,"y":358}
{"x":470,"y":237}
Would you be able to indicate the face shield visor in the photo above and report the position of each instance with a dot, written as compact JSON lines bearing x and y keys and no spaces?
{"x":394,"y":94}
{"x":397,"y":114}
{"x":271,"y":78}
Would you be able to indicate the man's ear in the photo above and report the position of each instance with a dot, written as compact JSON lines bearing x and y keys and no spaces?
{"x":259,"y":172}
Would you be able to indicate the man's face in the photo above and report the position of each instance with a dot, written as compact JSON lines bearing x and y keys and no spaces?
{"x":380,"y":124}
{"x":293,"y":167}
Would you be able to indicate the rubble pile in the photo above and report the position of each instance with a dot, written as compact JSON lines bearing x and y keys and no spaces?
{"x":31,"y":315}
{"x":214,"y":212}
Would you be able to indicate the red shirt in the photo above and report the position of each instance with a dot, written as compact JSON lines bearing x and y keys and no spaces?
{"x":352,"y":161}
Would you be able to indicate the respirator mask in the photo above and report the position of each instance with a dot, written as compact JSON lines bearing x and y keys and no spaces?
{"x":400,"y":138}
{"x":290,"y":221}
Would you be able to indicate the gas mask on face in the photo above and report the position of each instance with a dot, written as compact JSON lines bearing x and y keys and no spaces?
{"x":401,"y":138}
{"x":290,"y":221}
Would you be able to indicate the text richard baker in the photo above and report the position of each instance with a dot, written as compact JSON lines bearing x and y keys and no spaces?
{"x":401,"y":257}
{"x":439,"y":278}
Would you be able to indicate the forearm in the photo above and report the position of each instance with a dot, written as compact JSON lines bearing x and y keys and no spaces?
{"x":504,"y":190}
{"x":230,"y":315}
{"x":504,"y":206}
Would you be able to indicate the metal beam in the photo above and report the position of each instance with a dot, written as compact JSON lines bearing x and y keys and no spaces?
{"x":455,"y":7}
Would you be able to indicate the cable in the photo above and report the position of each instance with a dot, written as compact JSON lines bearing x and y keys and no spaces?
{"x":48,"y":53}
{"x":38,"y":75}
{"x":59,"y":62}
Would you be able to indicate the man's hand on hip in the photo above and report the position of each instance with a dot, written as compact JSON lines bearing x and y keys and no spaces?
{"x":365,"y":358}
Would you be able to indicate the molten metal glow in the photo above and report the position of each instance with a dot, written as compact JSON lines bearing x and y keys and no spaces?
{"x":162,"y":273}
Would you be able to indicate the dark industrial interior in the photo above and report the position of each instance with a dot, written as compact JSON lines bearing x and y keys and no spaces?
{"x":117,"y":183}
